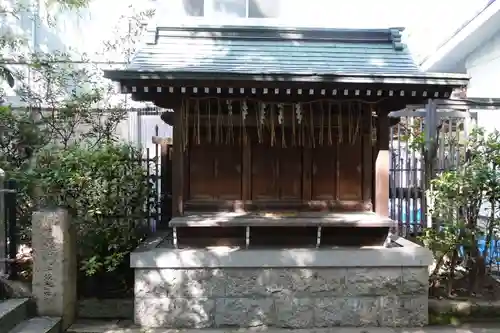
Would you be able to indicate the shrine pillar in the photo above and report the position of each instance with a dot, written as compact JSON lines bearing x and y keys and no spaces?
{"x":382,"y":165}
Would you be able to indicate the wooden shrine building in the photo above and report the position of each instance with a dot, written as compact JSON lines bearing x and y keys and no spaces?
{"x":279,"y":128}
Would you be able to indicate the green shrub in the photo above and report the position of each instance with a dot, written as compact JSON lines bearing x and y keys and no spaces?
{"x":105,"y":190}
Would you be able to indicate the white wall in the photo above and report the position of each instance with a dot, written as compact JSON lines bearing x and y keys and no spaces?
{"x":88,"y":31}
{"x":85,"y":33}
{"x":483,"y":67}
{"x":428,"y":22}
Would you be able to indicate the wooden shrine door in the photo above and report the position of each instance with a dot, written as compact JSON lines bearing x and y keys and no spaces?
{"x":276,"y":173}
{"x":325,"y":173}
{"x":337,"y":171}
{"x":215,"y":172}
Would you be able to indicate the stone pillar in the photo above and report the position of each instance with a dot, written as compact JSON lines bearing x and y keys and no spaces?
{"x":54,"y":264}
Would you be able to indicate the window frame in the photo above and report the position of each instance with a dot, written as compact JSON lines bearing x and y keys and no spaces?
{"x":209,"y":12}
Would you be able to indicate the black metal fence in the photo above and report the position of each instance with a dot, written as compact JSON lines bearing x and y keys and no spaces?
{"x":158,"y":164}
{"x":407,"y":177}
{"x":151,"y":214}
{"x":9,"y":235}
{"x":157,"y":211}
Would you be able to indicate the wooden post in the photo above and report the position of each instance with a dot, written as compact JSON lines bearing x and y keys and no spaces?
{"x":166,"y":178}
{"x":177,"y":165}
{"x":382,"y":166}
{"x":367,"y":158}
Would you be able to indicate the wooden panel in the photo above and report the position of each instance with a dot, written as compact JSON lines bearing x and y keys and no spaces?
{"x":215,"y":172}
{"x":283,"y":236}
{"x":353,"y":236}
{"x":306,"y":174}
{"x":202,"y":178}
{"x":350,"y":170}
{"x":200,"y":237}
{"x":367,"y":158}
{"x":324,"y":170}
{"x":264,"y":180}
{"x":289,"y":166}
{"x":246,"y":176}
{"x":227,"y":172}
{"x":281,"y":205}
{"x":276,"y":173}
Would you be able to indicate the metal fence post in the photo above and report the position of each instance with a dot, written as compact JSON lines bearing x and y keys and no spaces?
{"x":430,"y":155}
{"x":11,"y":222}
{"x":3,"y":227}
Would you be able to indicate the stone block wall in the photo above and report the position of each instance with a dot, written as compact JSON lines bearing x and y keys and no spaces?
{"x":281,"y":297}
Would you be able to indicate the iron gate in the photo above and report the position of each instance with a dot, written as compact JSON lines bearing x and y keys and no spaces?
{"x":446,"y":126}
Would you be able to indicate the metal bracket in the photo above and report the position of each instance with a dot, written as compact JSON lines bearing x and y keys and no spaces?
{"x":453,"y":108}
{"x":318,"y":237}
{"x":440,"y":113}
{"x":174,"y":237}
{"x":247,"y":236}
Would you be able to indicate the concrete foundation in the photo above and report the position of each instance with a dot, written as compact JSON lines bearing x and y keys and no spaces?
{"x":285,"y":288}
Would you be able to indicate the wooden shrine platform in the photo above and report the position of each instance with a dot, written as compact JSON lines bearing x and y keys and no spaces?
{"x":303,"y":229}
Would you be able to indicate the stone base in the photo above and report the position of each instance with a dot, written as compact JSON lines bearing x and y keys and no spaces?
{"x":296,"y":288}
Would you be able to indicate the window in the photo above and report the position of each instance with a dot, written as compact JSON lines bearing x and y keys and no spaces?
{"x":263,"y":8}
{"x":232,"y":8}
{"x":194,"y":7}
{"x":229,"y":8}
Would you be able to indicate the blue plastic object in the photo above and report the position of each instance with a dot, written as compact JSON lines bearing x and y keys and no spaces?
{"x":493,"y":253}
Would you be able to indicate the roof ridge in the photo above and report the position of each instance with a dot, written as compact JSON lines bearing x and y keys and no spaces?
{"x":396,"y":38}
{"x":390,"y":35}
{"x":274,"y":51}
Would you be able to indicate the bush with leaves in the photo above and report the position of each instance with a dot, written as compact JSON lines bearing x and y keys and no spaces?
{"x":102,"y":182}
{"x":20,"y":138}
{"x":455,"y":199}
{"x":105,"y":190}
{"x":67,"y":101}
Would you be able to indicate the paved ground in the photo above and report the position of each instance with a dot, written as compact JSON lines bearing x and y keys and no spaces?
{"x":127,"y":327}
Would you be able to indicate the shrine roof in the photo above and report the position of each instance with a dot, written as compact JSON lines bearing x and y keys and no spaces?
{"x":201,"y":52}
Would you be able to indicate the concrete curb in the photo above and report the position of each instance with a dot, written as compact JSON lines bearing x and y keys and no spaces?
{"x":128,"y":327}
{"x":93,"y":308}
{"x":462,"y":310}
{"x":443,"y":312}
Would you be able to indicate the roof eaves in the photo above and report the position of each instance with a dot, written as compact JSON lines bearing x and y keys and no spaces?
{"x":446,"y":79}
{"x":432,"y":62}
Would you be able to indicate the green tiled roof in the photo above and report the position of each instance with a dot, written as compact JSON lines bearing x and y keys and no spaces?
{"x":259,"y":50}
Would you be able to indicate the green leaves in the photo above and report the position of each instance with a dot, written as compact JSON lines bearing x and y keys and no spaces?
{"x":69,"y":4}
{"x":105,"y":188}
{"x":456,"y":198}
{"x":7,"y":75}
{"x":102,"y":183}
